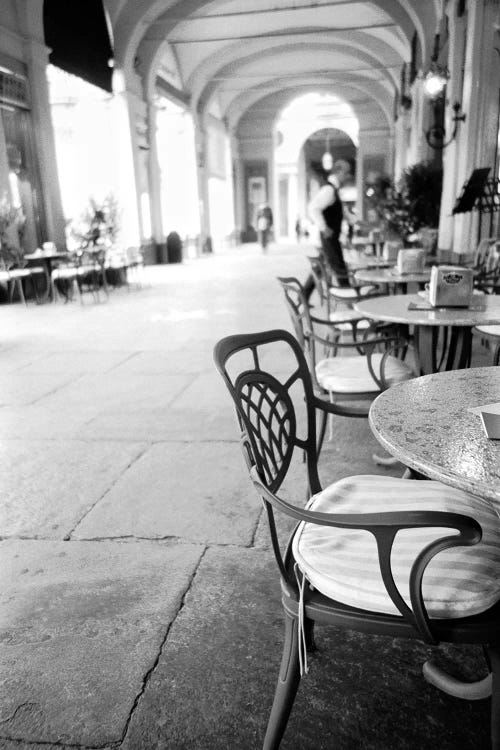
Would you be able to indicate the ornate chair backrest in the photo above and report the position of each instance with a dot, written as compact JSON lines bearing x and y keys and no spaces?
{"x":482,"y":253}
{"x":303,"y":325}
{"x":265,"y":402}
{"x":321,"y":279}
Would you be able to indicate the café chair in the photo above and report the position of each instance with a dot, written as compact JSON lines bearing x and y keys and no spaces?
{"x":491,"y":334}
{"x":486,"y":266}
{"x":329,"y":290}
{"x":375,"y":554}
{"x":64,"y":279}
{"x":14,"y":274}
{"x":135,"y":266}
{"x":91,"y":276}
{"x":349,"y":374}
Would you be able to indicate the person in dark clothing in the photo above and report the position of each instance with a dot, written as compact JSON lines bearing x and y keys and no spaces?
{"x":264,"y":225}
{"x":327,"y":212}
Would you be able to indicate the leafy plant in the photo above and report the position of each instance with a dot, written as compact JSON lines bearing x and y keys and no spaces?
{"x":414,"y":203}
{"x":12,"y":222}
{"x":99,"y":224}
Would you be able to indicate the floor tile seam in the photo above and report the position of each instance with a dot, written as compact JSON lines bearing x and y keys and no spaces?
{"x":126,"y":538}
{"x":113,"y":745}
{"x":151,"y":670}
{"x":94,"y":440}
{"x":57,"y":388}
{"x":255,"y":528}
{"x":133,"y":461}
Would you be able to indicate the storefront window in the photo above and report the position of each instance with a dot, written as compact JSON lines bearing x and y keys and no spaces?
{"x":22,"y":182}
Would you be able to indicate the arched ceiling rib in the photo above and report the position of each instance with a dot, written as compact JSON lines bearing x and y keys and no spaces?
{"x":295,"y":61}
{"x":366,"y":101}
{"x":214,"y":41}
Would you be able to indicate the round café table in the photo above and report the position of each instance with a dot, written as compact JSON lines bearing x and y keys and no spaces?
{"x":425,"y":423}
{"x":392,"y":278}
{"x":46,"y":260}
{"x":442,"y":336}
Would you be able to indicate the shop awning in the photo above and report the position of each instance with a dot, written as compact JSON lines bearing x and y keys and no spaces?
{"x":78,"y":34}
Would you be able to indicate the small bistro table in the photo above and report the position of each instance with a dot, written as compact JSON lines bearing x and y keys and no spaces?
{"x":425,"y":423}
{"x":442,"y":336}
{"x":46,"y":260}
{"x":391,"y":277}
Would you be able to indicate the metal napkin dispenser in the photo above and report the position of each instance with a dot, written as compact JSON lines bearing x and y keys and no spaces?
{"x":450,"y":286}
{"x":411,"y":260}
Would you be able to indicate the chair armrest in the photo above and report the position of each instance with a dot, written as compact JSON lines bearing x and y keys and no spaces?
{"x":384,"y":526}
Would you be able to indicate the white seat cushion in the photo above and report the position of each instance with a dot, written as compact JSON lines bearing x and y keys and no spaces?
{"x":349,"y":315}
{"x":491,"y":330}
{"x":351,"y":374}
{"x":343,"y":564}
{"x":348,"y":292}
{"x":362,"y":323}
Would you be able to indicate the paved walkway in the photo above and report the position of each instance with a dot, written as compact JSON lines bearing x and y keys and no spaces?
{"x":139,"y":605}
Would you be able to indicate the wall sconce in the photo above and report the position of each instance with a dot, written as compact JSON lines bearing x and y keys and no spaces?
{"x":434,"y":86}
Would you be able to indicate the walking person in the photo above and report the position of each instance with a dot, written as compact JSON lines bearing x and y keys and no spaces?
{"x":264,"y":225}
{"x":327,"y":212}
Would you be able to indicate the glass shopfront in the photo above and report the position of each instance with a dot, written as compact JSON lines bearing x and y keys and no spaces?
{"x":20,"y":182}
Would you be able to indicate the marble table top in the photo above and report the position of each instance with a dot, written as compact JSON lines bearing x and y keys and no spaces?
{"x":394,"y":308}
{"x":425,"y":423}
{"x":391,"y":276}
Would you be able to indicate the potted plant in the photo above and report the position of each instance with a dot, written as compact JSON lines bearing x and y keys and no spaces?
{"x":411,"y":210}
{"x":12,"y":221}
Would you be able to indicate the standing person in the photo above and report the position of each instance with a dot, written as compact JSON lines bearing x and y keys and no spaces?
{"x":327,"y":212}
{"x":264,"y":224}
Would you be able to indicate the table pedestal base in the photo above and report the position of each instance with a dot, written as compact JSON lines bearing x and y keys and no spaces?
{"x":469,"y":691}
{"x":443,"y":348}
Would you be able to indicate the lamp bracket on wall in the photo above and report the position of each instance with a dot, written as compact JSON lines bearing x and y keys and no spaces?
{"x":436,"y":135}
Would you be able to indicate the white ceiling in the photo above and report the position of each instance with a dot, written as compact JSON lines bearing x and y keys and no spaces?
{"x":231,"y":54}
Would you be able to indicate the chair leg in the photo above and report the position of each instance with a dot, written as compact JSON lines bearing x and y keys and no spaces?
{"x":322,"y":430}
{"x":286,"y":689}
{"x":494,"y":654}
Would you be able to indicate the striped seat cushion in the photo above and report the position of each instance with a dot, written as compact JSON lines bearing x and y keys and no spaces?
{"x":351,"y":374}
{"x":343,"y":564}
{"x":361,"y":323}
{"x":348,"y":292}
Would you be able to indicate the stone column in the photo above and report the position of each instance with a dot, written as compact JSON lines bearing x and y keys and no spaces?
{"x":456,"y":27}
{"x":202,"y":172}
{"x":155,"y":178}
{"x":360,"y":180}
{"x":37,"y":59}
{"x":239,"y":189}
{"x":479,"y":95}
{"x":125,"y":178}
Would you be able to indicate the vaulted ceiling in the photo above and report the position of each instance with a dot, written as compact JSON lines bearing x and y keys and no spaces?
{"x":232,"y":55}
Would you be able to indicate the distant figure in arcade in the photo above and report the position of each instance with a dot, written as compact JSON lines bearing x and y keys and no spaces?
{"x":327,"y":212}
{"x":264,"y":225}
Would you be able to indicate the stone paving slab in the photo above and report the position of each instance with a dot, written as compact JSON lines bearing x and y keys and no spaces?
{"x":76,"y":363}
{"x":35,"y":422}
{"x":214,"y":683}
{"x":167,"y":424}
{"x":47,"y":486}
{"x":112,"y":392}
{"x":21,"y":388}
{"x":13,"y":358}
{"x":188,"y":359}
{"x":197,"y":492}
{"x":81,"y":624}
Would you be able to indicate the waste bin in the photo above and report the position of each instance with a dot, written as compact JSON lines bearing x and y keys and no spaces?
{"x":174,"y":248}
